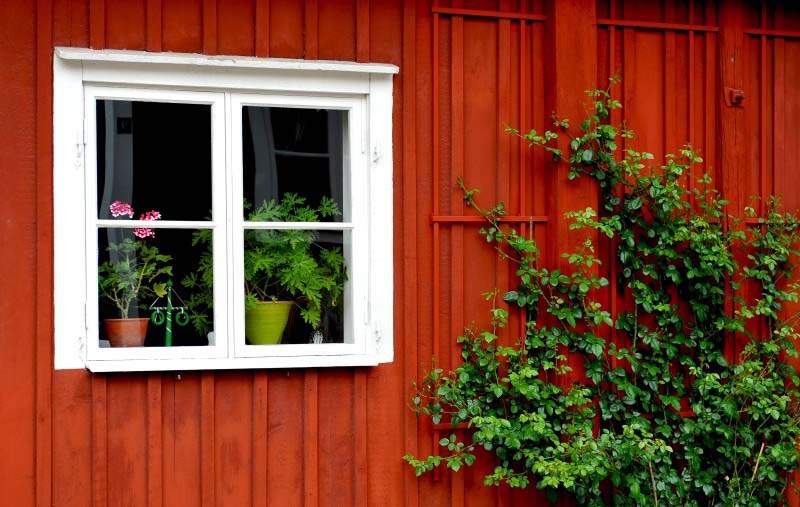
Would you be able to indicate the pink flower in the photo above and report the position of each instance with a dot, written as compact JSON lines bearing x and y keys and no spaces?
{"x":119,"y":208}
{"x":144,"y":232}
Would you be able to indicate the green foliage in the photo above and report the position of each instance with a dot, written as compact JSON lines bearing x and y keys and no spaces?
{"x":132,"y":274}
{"x":656,"y":415}
{"x":279,"y":265}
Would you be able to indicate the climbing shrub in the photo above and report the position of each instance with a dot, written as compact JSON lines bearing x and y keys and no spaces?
{"x":658,"y":415}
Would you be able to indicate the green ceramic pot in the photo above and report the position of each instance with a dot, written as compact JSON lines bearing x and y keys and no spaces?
{"x":265,"y":322}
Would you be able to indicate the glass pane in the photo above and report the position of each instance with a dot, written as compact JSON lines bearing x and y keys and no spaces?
{"x":154,"y":156}
{"x":295,"y":153}
{"x":295,"y":286}
{"x":155,"y":287}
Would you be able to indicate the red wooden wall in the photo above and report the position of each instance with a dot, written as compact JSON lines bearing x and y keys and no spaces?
{"x":335,"y":437}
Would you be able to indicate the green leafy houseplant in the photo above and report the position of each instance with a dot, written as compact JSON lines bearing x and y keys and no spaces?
{"x":130,"y":277}
{"x":279,"y":265}
{"x":658,"y":415}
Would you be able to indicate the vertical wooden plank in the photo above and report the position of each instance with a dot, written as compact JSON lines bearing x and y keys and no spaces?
{"x":780,"y":169}
{"x":337,"y":405}
{"x":408,"y":357}
{"x":362,"y":30}
{"x":762,"y":144}
{"x":155,"y":443}
{"x":571,"y":63}
{"x":710,"y":105}
{"x":360,"y":445}
{"x":182,"y":419}
{"x":126,"y":430}
{"x":262,"y":28}
{"x":732,"y":127}
{"x":97,"y":24}
{"x":310,"y":439}
{"x":72,"y":438}
{"x":154,"y":15}
{"x":286,"y":28}
{"x":233,"y":433}
{"x":71,"y":23}
{"x":457,"y":230}
{"x":182,"y":26}
{"x":210,"y":27}
{"x":44,"y":254}
{"x":236,"y":27}
{"x":169,"y":434}
{"x":207,"y":430}
{"x":126,"y":24}
{"x":260,"y":436}
{"x":670,"y":83}
{"x":99,"y":442}
{"x":336,"y":30}
{"x":311,"y":30}
{"x":285,"y":436}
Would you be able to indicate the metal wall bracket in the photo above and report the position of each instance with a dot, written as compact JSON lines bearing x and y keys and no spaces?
{"x":734,"y":97}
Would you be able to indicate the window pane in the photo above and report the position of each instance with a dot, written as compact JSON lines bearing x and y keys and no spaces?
{"x":163,"y":278}
{"x":295,"y":286}
{"x":154,"y":155}
{"x":295,"y":151}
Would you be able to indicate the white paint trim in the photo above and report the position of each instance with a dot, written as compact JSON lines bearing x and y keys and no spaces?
{"x":198,"y":60}
{"x":277,"y":362}
{"x":364,"y":90}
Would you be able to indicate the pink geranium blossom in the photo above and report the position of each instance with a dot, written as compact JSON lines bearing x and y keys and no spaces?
{"x":145,"y":232}
{"x":119,"y":208}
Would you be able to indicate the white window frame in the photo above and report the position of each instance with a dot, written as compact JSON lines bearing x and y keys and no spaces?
{"x":82,"y":76}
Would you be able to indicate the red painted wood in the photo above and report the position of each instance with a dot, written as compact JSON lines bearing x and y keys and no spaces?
{"x":154,"y":23}
{"x":155,"y":441}
{"x":311,"y":30}
{"x":407,"y":177}
{"x":208,"y":455}
{"x":126,"y":465}
{"x":72,"y":439}
{"x":182,"y":25}
{"x":97,"y":23}
{"x":336,"y":437}
{"x":125,"y":24}
{"x":286,"y":29}
{"x":262,"y":28}
{"x":337,"y":30}
{"x":18,"y":203}
{"x":260,"y":436}
{"x":44,"y":231}
{"x":233,"y":434}
{"x":99,"y":439}
{"x":210,"y":28}
{"x":285,"y":436}
{"x":236,"y":27}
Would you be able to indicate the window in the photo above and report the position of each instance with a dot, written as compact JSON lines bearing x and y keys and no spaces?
{"x":220,"y":212}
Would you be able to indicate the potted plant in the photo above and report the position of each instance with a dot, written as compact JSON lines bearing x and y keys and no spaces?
{"x":131,"y":276}
{"x":283,"y":269}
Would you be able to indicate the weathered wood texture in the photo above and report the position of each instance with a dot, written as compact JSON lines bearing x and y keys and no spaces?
{"x":336,"y":437}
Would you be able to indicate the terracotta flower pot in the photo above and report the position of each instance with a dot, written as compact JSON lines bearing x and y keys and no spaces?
{"x":126,"y":332}
{"x":264,"y":323}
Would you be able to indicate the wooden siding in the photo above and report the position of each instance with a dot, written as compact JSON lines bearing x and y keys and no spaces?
{"x":335,"y":437}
